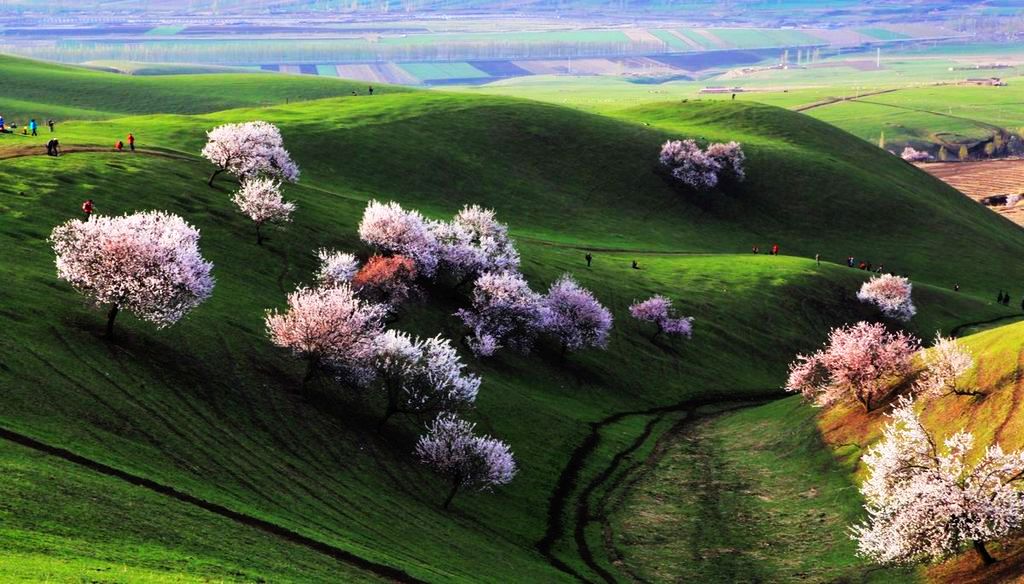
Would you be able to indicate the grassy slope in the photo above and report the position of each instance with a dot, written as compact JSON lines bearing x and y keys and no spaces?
{"x":207,"y":405}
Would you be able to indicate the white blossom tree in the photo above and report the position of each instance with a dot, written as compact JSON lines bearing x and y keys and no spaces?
{"x":391,"y":230}
{"x":891,"y":294}
{"x":260,"y":199}
{"x":329,"y":327}
{"x":945,"y":364}
{"x":248,"y":150}
{"x":474,"y":242}
{"x":467,"y":461}
{"x":421,"y":377}
{"x":926,"y":503}
{"x":504,"y":312}
{"x":147,"y":263}
{"x":658,"y":309}
{"x":574,"y":317}
{"x":336,"y":268}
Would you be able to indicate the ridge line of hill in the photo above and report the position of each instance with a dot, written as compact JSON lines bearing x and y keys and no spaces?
{"x":382,"y":570}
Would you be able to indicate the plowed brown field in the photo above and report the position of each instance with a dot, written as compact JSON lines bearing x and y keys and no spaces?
{"x":982,"y":179}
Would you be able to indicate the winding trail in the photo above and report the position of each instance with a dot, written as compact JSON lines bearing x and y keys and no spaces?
{"x":29,"y":150}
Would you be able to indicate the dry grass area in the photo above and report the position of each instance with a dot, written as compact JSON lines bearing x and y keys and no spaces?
{"x":982,"y":179}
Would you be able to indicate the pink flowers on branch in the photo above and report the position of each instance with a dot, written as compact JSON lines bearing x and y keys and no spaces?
{"x":703,"y":170}
{"x":474,"y":242}
{"x":260,"y":199}
{"x":891,"y":294}
{"x":574,"y":317}
{"x":658,"y":309}
{"x":249,"y":150}
{"x":912,"y":155}
{"x":146,"y":263}
{"x":925,"y":503}
{"x":862,"y":361}
{"x":421,"y":376}
{"x":391,"y":230}
{"x":329,"y":327}
{"x":467,"y":461}
{"x":504,"y":312}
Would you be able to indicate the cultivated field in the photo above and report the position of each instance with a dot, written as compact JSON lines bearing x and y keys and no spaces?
{"x":985,"y":179}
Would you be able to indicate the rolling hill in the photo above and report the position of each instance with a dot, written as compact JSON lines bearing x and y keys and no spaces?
{"x":203,"y":424}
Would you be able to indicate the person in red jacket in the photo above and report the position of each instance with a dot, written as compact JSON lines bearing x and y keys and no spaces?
{"x":775,"y":249}
{"x":87,"y":208}
{"x":119,"y":146}
{"x":131,"y":142}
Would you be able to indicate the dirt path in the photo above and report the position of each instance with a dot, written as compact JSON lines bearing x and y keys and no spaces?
{"x":27,"y":150}
{"x":384,"y":571}
{"x":834,"y":100}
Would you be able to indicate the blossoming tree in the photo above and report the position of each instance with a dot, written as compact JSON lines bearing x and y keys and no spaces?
{"x":389,"y":280}
{"x":329,"y":327}
{"x":391,"y":230}
{"x":467,"y":461}
{"x":504,"y":312}
{"x":911,"y":155}
{"x":336,"y":268}
{"x":260,"y":199}
{"x":658,"y":309}
{"x":249,"y":150}
{"x":474,"y":242}
{"x":926,"y":503}
{"x":421,"y":377}
{"x":945,"y":364}
{"x":703,"y":169}
{"x":863,"y":361}
{"x":574,"y":317}
{"x":891,"y":294}
{"x":146,"y":263}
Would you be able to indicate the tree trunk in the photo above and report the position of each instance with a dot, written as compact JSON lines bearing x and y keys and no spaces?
{"x":979,"y":546}
{"x":213,"y":176}
{"x":451,"y":495}
{"x":111,"y":316}
{"x":311,"y":368}
{"x":387,"y":416}
{"x":259,"y":236}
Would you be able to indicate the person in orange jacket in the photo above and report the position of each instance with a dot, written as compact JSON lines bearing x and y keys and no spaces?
{"x":131,"y":142}
{"x":119,"y":146}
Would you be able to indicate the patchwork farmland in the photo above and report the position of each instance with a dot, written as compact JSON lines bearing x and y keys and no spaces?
{"x":989,"y":182}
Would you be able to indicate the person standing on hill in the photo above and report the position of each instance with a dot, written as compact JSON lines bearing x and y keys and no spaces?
{"x":2,"y":127}
{"x":51,"y":124}
{"x":999,"y":298}
{"x":131,"y":141}
{"x":33,"y":127}
{"x":817,"y":259}
{"x":956,"y":287}
{"x":87,"y":208}
{"x":1006,"y":299}
{"x":775,"y":249}
{"x":589,"y":257}
{"x":850,"y":261}
{"x":371,"y":90}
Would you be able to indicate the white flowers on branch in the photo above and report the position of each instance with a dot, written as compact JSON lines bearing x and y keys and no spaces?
{"x":467,"y":461}
{"x":336,"y":268}
{"x":574,"y":317}
{"x":260,"y":200}
{"x":505,"y":311}
{"x":391,"y":230}
{"x":703,"y":170}
{"x":147,"y":263}
{"x":891,"y":294}
{"x":927,"y":502}
{"x":248,"y":150}
{"x":474,"y":242}
{"x":945,"y":363}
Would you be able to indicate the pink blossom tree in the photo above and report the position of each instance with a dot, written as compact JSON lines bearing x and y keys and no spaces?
{"x":474,"y":242}
{"x":703,"y":170}
{"x":891,"y":294}
{"x":260,"y":199}
{"x":249,"y":150}
{"x":391,"y":230}
{"x":911,"y":155}
{"x":574,"y":317}
{"x":925,"y":503}
{"x":945,"y":364}
{"x":389,"y":280}
{"x":658,"y":309}
{"x":863,"y":361}
{"x":730,"y":159}
{"x":467,"y":461}
{"x":421,"y":377}
{"x":146,"y":263}
{"x":329,"y":327}
{"x":504,"y":312}
{"x":336,"y":268}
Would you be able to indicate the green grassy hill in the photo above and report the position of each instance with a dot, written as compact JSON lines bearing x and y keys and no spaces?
{"x":210,"y":409}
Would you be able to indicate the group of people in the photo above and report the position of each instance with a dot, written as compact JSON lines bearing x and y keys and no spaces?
{"x":864,"y":265}
{"x":29,"y":129}
{"x":119,"y":145}
{"x":1004,"y":299}
{"x":773,"y":250}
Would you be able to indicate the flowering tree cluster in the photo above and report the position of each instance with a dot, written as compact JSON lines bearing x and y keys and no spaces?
{"x":474,"y":242}
{"x":260,"y":199}
{"x":249,"y":150}
{"x":861,"y":360}
{"x":391,"y":230}
{"x":421,"y":376}
{"x":574,"y":317}
{"x":388,"y":280}
{"x":658,"y":309}
{"x":925,"y":504}
{"x":891,"y":294}
{"x":945,"y":363}
{"x":336,"y":268}
{"x":146,"y":263}
{"x":451,"y":449}
{"x":505,"y":311}
{"x":703,"y":169}
{"x":912,"y":155}
{"x":329,"y":327}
